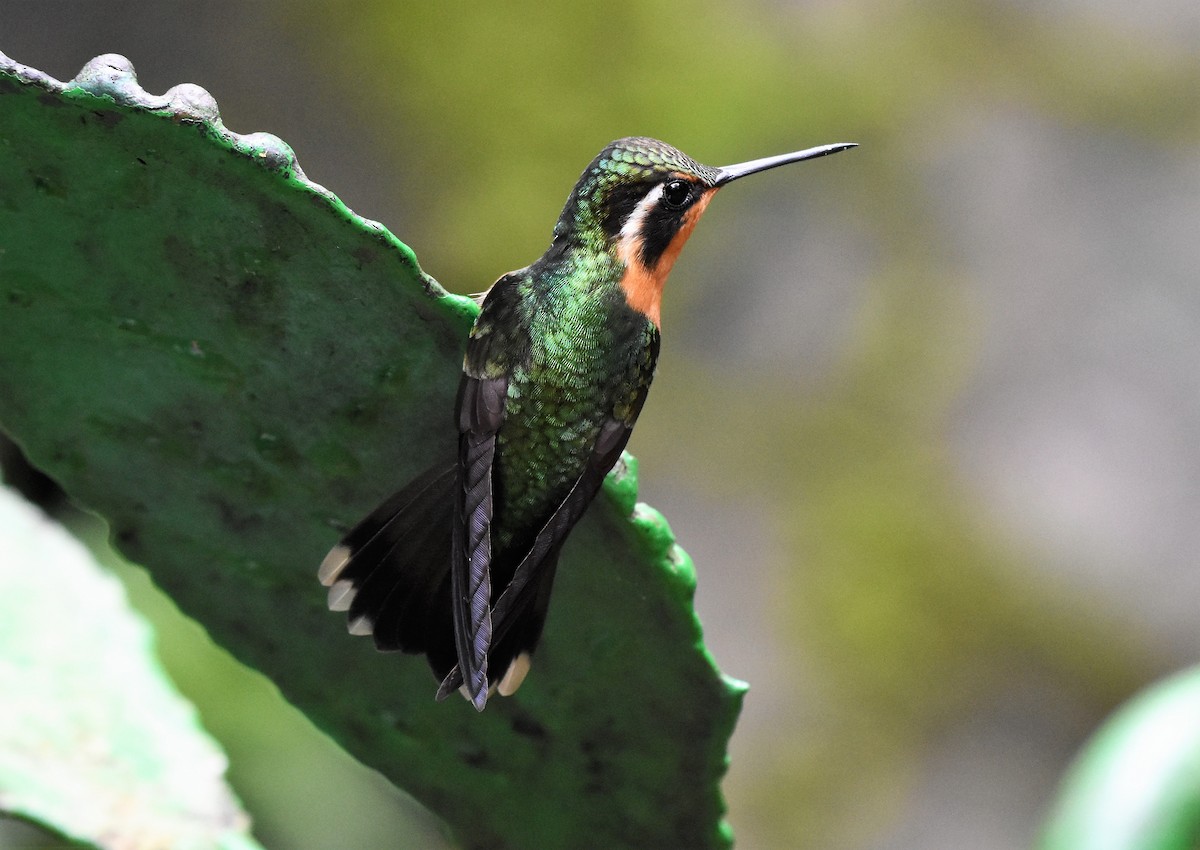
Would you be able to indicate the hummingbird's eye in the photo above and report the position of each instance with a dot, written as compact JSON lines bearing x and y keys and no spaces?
{"x":676,"y":193}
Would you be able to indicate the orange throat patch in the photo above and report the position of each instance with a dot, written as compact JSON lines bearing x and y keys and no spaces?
{"x":643,"y":285}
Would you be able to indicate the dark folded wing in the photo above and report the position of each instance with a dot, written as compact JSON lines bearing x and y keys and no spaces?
{"x":481,"y":403}
{"x":517,"y":617}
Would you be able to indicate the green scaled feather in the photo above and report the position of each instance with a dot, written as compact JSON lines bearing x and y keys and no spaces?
{"x":229,"y":366}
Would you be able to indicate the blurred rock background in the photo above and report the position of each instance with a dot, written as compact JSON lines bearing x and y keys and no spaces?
{"x":926,"y":413}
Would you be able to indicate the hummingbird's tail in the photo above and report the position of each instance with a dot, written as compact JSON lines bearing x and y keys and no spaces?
{"x":391,"y":574}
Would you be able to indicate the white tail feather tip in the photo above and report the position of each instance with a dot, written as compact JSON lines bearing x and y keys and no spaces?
{"x":333,"y":564}
{"x":360,"y":626}
{"x":517,"y":670}
{"x":341,"y":595}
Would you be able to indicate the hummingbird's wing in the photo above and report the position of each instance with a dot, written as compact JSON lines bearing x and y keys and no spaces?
{"x":517,"y":617}
{"x":481,"y":404}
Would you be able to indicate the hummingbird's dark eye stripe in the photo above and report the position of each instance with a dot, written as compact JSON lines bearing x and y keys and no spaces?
{"x":633,"y":231}
{"x":657,"y":233}
{"x":654,"y":222}
{"x":622,"y":201}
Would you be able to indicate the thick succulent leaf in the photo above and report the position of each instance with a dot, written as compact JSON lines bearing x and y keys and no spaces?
{"x":1136,"y":786}
{"x":218,"y":357}
{"x":95,"y":743}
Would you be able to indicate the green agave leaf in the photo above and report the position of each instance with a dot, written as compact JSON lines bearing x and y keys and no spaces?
{"x":1136,"y":785}
{"x":95,"y":743}
{"x":230,"y":367}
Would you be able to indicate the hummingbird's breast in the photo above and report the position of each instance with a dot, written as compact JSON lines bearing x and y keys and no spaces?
{"x":590,"y":358}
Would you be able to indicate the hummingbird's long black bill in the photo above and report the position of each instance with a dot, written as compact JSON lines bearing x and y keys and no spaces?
{"x":729,"y":173}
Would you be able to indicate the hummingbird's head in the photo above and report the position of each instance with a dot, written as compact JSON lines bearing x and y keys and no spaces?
{"x":636,"y":195}
{"x":639,"y":201}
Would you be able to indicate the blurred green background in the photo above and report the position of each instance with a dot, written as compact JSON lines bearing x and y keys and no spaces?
{"x":925,"y":414}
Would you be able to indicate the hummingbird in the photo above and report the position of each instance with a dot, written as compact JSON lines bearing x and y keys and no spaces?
{"x":459,"y":564}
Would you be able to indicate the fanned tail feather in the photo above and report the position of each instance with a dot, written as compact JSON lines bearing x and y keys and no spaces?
{"x":391,"y":572}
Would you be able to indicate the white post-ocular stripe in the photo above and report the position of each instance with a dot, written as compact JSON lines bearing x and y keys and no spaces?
{"x":632,"y":228}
